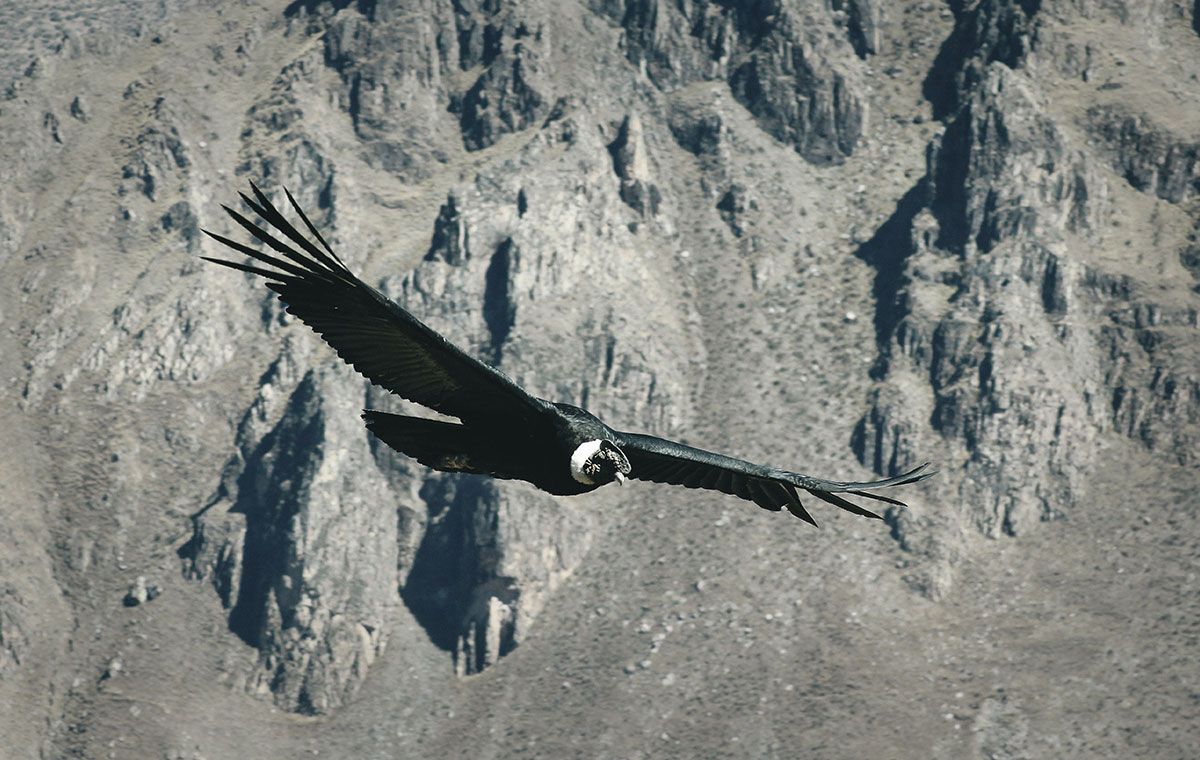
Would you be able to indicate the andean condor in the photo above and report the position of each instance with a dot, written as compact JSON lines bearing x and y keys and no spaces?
{"x":502,"y":430}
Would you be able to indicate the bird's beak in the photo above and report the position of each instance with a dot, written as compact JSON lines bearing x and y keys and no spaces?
{"x":620,"y":478}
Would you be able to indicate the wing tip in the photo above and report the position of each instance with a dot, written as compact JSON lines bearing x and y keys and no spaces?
{"x":798,"y":510}
{"x":796,"y":507}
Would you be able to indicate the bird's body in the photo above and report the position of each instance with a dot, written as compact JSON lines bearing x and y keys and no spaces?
{"x":503,"y":431}
{"x":533,"y":451}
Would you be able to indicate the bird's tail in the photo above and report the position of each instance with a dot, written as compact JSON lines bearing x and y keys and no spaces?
{"x":445,"y":446}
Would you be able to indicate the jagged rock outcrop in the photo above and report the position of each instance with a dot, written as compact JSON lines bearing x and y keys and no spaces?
{"x":404,"y":73}
{"x":150,"y":343}
{"x":649,"y":208}
{"x":1001,"y":339}
{"x":1050,"y":37}
{"x":862,"y":20}
{"x":1148,"y":156}
{"x":1002,"y":170}
{"x":491,"y":554}
{"x":988,"y":32}
{"x":698,"y":129}
{"x":512,"y":93}
{"x":302,"y":545}
{"x":14,"y":634}
{"x":629,"y":161}
{"x":392,"y":67}
{"x":986,"y":315}
{"x":783,"y":61}
{"x":157,"y":153}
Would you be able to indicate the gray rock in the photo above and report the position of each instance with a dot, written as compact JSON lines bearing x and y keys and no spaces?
{"x":317,"y":575}
{"x":1035,"y":317}
{"x":1004,"y":186}
{"x":511,"y":94}
{"x":140,"y":592}
{"x":698,"y":130}
{"x":79,"y":109}
{"x":308,"y":572}
{"x":149,"y":342}
{"x":862,"y":20}
{"x":1147,"y":155}
{"x":801,"y":81}
{"x":1028,"y":356}
{"x":991,"y":31}
{"x":631,"y":165}
{"x":1001,"y":729}
{"x":1002,"y":170}
{"x":158,"y":156}
{"x":392,"y":66}
{"x":733,"y":206}
{"x":14,"y":636}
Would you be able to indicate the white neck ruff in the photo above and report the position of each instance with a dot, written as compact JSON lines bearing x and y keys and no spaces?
{"x":583,"y":453}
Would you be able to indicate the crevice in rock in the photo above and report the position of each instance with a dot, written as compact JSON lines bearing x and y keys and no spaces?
{"x":861,"y":19}
{"x":269,"y":506}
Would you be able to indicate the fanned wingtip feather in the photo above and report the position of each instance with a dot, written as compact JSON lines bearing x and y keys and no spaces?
{"x":279,"y":279}
{"x":267,"y":210}
{"x":796,"y":508}
{"x":915,"y":475}
{"x":311,"y":227}
{"x":838,"y":501}
{"x":828,"y":490}
{"x":877,"y":497}
{"x":291,"y":269}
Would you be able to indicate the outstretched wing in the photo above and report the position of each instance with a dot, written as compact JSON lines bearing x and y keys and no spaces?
{"x":663,"y":461}
{"x":389,"y":346}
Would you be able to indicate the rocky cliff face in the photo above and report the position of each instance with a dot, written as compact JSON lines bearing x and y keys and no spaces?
{"x":298,"y":510}
{"x":805,"y":232}
{"x":792,"y":65}
{"x":501,"y":277}
{"x":1018,"y":336}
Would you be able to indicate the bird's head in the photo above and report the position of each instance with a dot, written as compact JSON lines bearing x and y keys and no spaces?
{"x":596,"y":463}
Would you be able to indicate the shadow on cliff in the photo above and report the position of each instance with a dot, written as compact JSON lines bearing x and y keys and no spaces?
{"x":940,"y":86}
{"x":887,"y":252}
{"x":270,"y":507}
{"x":451,"y":564}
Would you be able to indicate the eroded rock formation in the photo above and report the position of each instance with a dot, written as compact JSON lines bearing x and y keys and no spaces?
{"x":965,"y":231}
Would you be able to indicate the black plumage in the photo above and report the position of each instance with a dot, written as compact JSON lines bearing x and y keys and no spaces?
{"x":502,"y":430}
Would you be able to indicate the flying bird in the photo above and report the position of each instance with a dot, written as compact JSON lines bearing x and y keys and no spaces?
{"x":502,"y":431}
